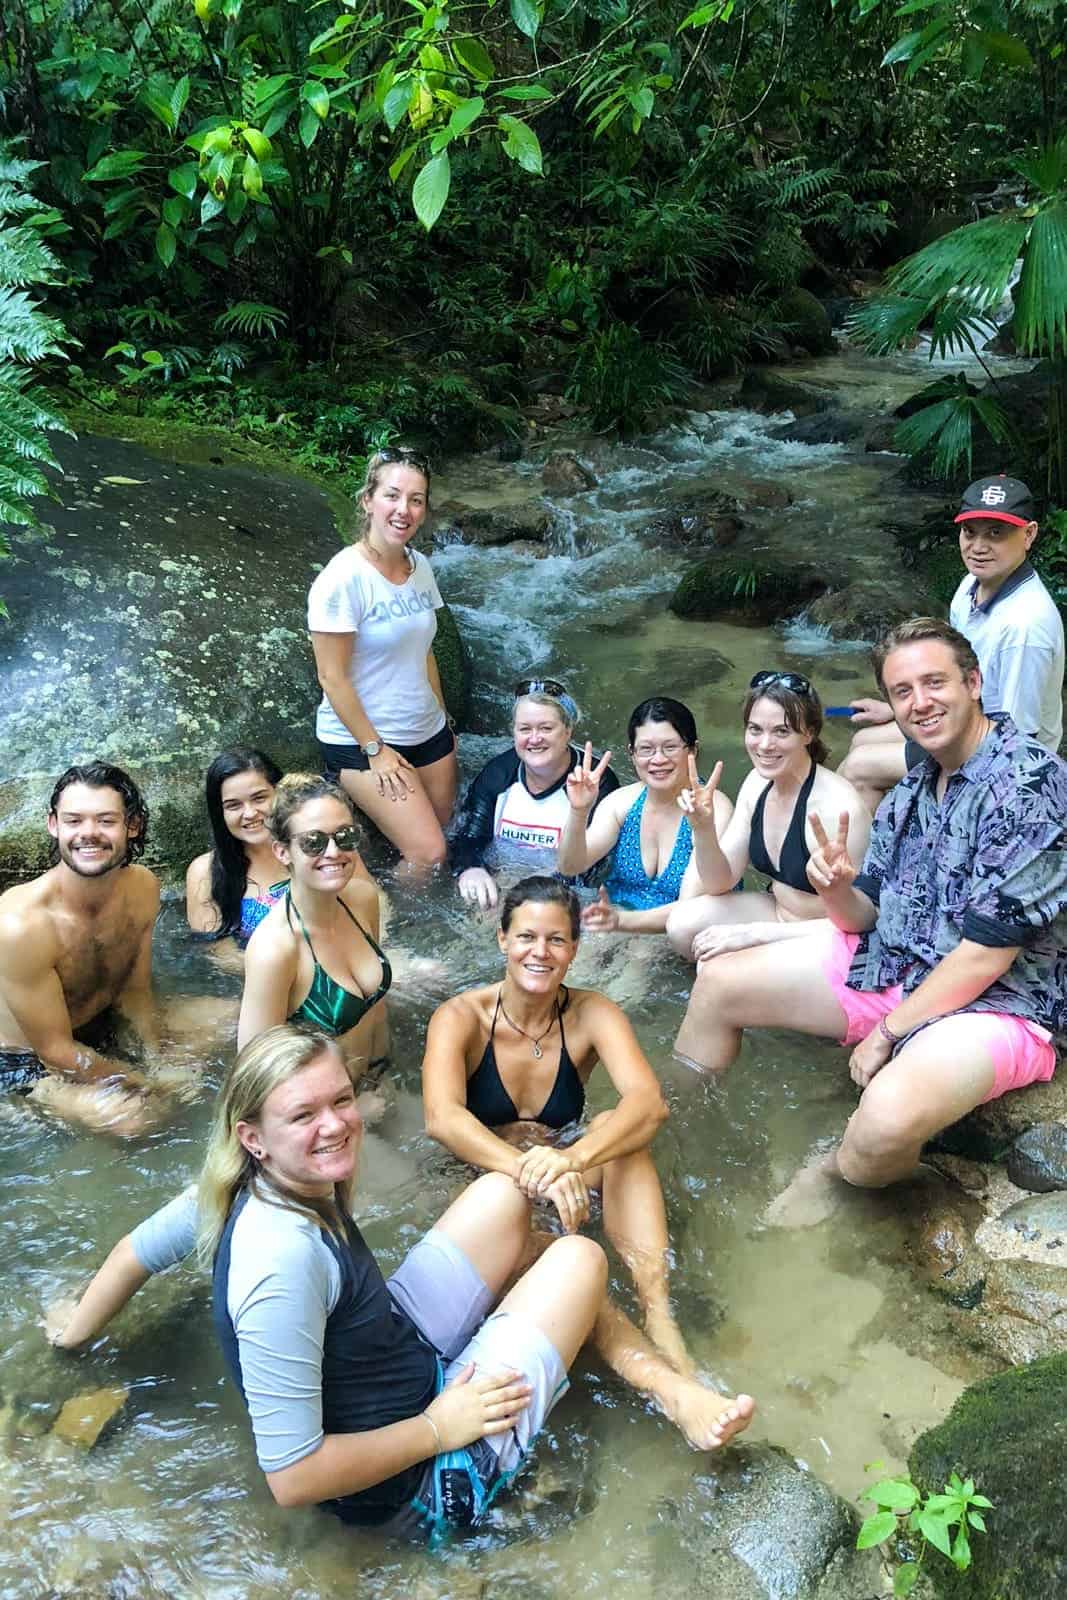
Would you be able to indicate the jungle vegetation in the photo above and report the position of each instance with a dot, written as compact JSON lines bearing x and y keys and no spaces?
{"x":326,"y":223}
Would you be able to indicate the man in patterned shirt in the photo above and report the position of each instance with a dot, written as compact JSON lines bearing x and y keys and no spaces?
{"x":944,"y":961}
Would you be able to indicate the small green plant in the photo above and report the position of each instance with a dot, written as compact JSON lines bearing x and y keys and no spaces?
{"x":746,"y":584}
{"x":905,"y":1513}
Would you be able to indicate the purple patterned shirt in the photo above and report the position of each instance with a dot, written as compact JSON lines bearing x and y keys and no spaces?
{"x":987,"y":863}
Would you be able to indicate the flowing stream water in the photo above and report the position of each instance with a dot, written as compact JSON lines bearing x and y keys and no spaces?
{"x":848,"y":1356}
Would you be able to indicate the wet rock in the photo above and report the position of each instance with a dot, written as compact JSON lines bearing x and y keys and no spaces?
{"x":563,"y":473}
{"x":694,"y":528}
{"x":759,"y":494}
{"x":1023,"y":1314}
{"x":822,"y":427}
{"x":1038,"y":1159}
{"x":755,"y":1525}
{"x":760,"y":587}
{"x":806,"y":322}
{"x":1007,"y":1433}
{"x":881,"y":436}
{"x":870,"y":607}
{"x":768,"y":389}
{"x":453,"y":664}
{"x":943,"y":1248}
{"x":989,"y":1131}
{"x":529,"y":520}
{"x":84,"y":1418}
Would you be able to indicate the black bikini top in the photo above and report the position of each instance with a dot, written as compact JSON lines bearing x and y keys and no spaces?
{"x":490,"y":1102}
{"x":794,"y":858}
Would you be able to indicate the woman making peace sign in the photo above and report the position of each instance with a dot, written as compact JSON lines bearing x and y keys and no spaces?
{"x":650,"y":841}
{"x":772,"y":828}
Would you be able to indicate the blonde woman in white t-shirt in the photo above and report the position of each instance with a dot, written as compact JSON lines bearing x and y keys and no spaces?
{"x":382,"y":726}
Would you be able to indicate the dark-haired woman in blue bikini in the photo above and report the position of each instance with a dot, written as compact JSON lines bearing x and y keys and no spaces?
{"x":315,"y":957}
{"x":504,"y":1077}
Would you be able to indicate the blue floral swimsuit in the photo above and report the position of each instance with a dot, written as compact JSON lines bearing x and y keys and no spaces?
{"x":628,"y":883}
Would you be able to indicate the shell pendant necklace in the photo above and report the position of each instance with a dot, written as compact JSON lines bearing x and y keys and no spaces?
{"x":535,"y":1043}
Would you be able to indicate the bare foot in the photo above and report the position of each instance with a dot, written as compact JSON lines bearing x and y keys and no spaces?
{"x":814,"y":1194}
{"x":708,"y":1420}
{"x":372,"y":1105}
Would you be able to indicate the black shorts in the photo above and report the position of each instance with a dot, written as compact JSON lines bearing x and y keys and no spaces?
{"x":338,"y":758}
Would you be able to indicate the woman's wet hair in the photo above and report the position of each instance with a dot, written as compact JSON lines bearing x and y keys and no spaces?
{"x":562,"y":705}
{"x":102,"y":775}
{"x":262,"y":1066}
{"x":802,"y":712}
{"x":229,"y":860}
{"x":297,"y":789}
{"x":545,"y":892}
{"x":398,"y":455}
{"x":662,"y":709}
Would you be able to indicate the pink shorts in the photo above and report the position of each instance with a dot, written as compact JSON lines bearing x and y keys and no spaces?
{"x":1022,"y":1051}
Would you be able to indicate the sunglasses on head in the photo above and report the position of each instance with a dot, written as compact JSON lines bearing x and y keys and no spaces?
{"x":316,"y":841}
{"x":404,"y":456}
{"x":789,"y":680}
{"x":539,"y":686}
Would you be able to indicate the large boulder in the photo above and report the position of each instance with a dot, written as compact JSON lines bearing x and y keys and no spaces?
{"x":759,"y":586}
{"x":870,"y":607}
{"x":1009,"y":1434}
{"x":1023,"y":1312}
{"x":768,"y":389}
{"x":756,"y":1525}
{"x":564,"y":474}
{"x":526,"y":520}
{"x":806,"y":322}
{"x":988,"y":1132}
{"x":1038,"y":1159}
{"x":821,"y":427}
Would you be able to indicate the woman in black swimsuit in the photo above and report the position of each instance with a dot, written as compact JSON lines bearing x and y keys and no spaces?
{"x":505,"y":1071}
{"x":770,"y":829}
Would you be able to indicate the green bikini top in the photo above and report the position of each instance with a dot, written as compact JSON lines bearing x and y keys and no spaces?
{"x":328,"y":1005}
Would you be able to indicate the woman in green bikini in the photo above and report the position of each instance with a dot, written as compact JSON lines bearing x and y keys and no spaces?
{"x":315,"y":957}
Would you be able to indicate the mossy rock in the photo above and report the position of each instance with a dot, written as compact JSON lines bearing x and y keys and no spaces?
{"x":24,"y":853}
{"x":807,"y":322}
{"x":1009,"y":1434}
{"x":453,"y":663}
{"x":758,"y":588}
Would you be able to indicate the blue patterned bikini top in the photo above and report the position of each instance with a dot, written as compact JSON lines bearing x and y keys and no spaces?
{"x":628,"y":883}
{"x":254,"y":909}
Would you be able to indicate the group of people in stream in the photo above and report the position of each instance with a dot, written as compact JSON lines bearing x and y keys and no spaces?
{"x":925,"y":933}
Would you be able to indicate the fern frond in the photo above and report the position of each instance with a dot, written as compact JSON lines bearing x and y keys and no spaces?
{"x":26,"y":333}
{"x":25,"y":258}
{"x":253,"y":320}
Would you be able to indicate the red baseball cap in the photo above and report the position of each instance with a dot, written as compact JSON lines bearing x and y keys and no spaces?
{"x":1001,"y":498}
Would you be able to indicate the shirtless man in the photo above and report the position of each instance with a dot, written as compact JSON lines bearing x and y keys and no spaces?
{"x":943,"y":961}
{"x":1004,"y":610}
{"x":74,"y":942}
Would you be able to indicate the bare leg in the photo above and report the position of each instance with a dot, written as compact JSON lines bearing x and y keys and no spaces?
{"x":411,"y":824}
{"x":873,"y":766}
{"x":490,"y":1222}
{"x":690,"y":917}
{"x":439,"y":780}
{"x":101,"y":1108}
{"x":773,"y":986}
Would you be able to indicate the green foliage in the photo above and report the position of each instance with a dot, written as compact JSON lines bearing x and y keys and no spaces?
{"x":28,"y":337}
{"x":621,"y":381}
{"x":945,"y":425}
{"x":903,"y":1512}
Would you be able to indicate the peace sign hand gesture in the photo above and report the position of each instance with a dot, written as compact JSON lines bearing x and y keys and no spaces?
{"x":583,"y":781}
{"x":830,"y":867}
{"x":698,"y":800}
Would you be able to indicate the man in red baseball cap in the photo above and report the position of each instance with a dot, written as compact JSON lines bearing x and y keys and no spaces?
{"x":1012,"y":623}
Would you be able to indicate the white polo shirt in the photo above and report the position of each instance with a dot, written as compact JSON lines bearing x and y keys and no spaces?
{"x":1017,"y":636}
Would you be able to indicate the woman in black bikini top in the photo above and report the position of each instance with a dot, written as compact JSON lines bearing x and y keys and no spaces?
{"x":770,"y":829}
{"x":506,"y":1067}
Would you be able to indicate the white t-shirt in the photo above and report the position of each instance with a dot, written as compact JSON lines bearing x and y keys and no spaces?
{"x":1018,"y":639}
{"x":394,"y":626}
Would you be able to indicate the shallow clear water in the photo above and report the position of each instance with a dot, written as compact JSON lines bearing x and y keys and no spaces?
{"x":846,"y":1354}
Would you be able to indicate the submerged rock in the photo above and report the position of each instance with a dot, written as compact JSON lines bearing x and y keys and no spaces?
{"x":1038,"y":1159}
{"x":822,"y":427}
{"x":1024,"y":1310}
{"x":528,"y":520}
{"x":759,"y":586}
{"x":769,"y":389}
{"x":756,"y":1525}
{"x":563,"y":473}
{"x":870,"y":607}
{"x":84,"y":1418}
{"x":1009,"y":1434}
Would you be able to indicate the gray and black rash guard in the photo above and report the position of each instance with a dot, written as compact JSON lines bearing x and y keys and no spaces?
{"x":499,"y":816}
{"x":313,"y":1339}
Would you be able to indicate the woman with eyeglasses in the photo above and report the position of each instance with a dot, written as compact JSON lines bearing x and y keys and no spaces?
{"x":640,"y":826}
{"x":517,"y":805}
{"x":382,"y":727}
{"x":770,"y":829}
{"x":315,"y":958}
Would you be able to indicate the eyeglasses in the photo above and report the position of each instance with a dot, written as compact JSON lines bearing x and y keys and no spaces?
{"x":645,"y":752}
{"x":789,"y":680}
{"x":539,"y":686}
{"x":316,"y":841}
{"x":403,"y":454}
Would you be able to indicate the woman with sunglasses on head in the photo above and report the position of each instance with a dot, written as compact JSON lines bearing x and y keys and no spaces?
{"x":770,"y":828}
{"x":649,"y":840}
{"x":517,"y":805}
{"x":315,"y":958}
{"x":382,"y":728}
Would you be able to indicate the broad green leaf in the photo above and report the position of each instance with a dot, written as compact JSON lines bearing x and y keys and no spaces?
{"x":521,"y":143}
{"x":123,"y":164}
{"x":257,"y":142}
{"x":1041,"y":304}
{"x":430,"y":190}
{"x":317,"y":97}
{"x":152,"y":358}
{"x":159,"y":106}
{"x":396,"y":104}
{"x":175,"y":210}
{"x":310,"y":123}
{"x":932,"y":1526}
{"x":269,"y":87}
{"x":905,"y":1578}
{"x":252,"y":178}
{"x":1007,"y":48}
{"x":526,"y":16}
{"x":643,"y":101}
{"x":903,"y":50}
{"x":876,"y":1529}
{"x":183,"y":179}
{"x":166,"y":244}
{"x":976,"y":1520}
{"x":210,"y":207}
{"x":121,"y":349}
{"x":473,"y":57}
{"x":974,"y":57}
{"x":401,"y":161}
{"x":180,"y":98}
{"x":466,"y":113}
{"x":525,"y":91}
{"x":719,"y":9}
{"x":894,"y":1494}
{"x":431,"y":59}
{"x":213,"y":253}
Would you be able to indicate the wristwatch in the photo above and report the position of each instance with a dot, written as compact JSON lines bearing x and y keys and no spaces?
{"x":373,"y":747}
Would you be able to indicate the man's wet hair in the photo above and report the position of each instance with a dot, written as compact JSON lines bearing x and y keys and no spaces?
{"x":102,"y":775}
{"x":923,"y":630}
